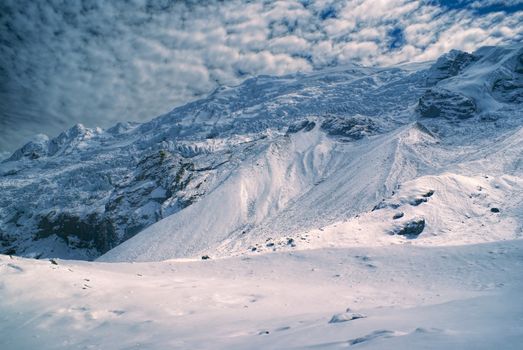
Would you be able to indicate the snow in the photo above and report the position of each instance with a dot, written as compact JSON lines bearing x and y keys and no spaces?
{"x":367,"y":139}
{"x":465,"y":297}
{"x":350,"y":207}
{"x":458,"y":213}
{"x":285,"y":191}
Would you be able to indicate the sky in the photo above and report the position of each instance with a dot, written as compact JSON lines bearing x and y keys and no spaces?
{"x":100,"y":62}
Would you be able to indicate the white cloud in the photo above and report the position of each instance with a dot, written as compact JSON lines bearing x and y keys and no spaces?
{"x":99,"y":62}
{"x":360,"y":52}
{"x":290,"y":44}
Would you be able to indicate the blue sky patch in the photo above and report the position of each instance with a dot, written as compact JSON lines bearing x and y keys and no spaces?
{"x":397,"y":38}
{"x":481,"y":7}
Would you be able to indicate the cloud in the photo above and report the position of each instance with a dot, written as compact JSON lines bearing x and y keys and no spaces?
{"x":99,"y":62}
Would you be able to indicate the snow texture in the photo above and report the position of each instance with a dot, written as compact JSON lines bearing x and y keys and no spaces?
{"x":349,"y":207}
{"x":270,"y":158}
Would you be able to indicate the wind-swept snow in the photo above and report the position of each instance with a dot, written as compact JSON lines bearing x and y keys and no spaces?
{"x":460,"y":297}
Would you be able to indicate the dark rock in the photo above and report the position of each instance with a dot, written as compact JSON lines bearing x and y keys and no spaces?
{"x":384,"y":204}
{"x":428,"y":194}
{"x":398,"y":216}
{"x":9,"y":251}
{"x":436,"y":103}
{"x":212,"y":135}
{"x":92,"y":231}
{"x":309,"y":126}
{"x":411,"y":229}
{"x":508,"y":90}
{"x":304,"y":125}
{"x":377,"y":207}
{"x":32,"y":150}
{"x":159,"y":169}
{"x":353,"y":128}
{"x":495,"y":210}
{"x":419,"y":126}
{"x":417,"y":201}
{"x":449,"y":65}
{"x":509,"y":86}
{"x":489,"y":117}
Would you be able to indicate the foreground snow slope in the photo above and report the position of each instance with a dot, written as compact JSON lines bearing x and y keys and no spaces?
{"x":459,"y":297}
{"x":270,"y":158}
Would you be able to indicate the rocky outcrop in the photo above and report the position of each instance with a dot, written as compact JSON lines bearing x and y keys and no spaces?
{"x":442,"y":103}
{"x":449,"y":65}
{"x":410,"y":229}
{"x":159,"y":187}
{"x":508,"y":87}
{"x":305,"y":125}
{"x":92,"y":231}
{"x":351,"y":128}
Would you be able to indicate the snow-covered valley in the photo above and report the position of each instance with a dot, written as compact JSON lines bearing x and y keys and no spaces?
{"x":366,"y":207}
{"x":410,"y":297}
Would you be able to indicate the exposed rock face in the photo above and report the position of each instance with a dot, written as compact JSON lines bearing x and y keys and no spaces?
{"x":449,"y":65}
{"x":411,"y":229}
{"x":92,"y":231}
{"x":509,"y":90}
{"x":158,"y":187}
{"x":509,"y":87}
{"x":305,"y":125}
{"x":437,"y":102}
{"x":352,"y":128}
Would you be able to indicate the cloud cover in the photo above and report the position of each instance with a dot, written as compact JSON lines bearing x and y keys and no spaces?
{"x":99,"y":62}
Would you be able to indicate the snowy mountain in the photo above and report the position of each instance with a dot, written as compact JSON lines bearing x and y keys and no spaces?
{"x":253,"y":167}
{"x":375,"y":208}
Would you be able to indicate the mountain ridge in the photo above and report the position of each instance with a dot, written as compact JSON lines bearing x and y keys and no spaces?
{"x":95,"y":189}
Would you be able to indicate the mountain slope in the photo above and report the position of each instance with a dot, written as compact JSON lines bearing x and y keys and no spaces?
{"x":270,"y":158}
{"x":354,"y":207}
